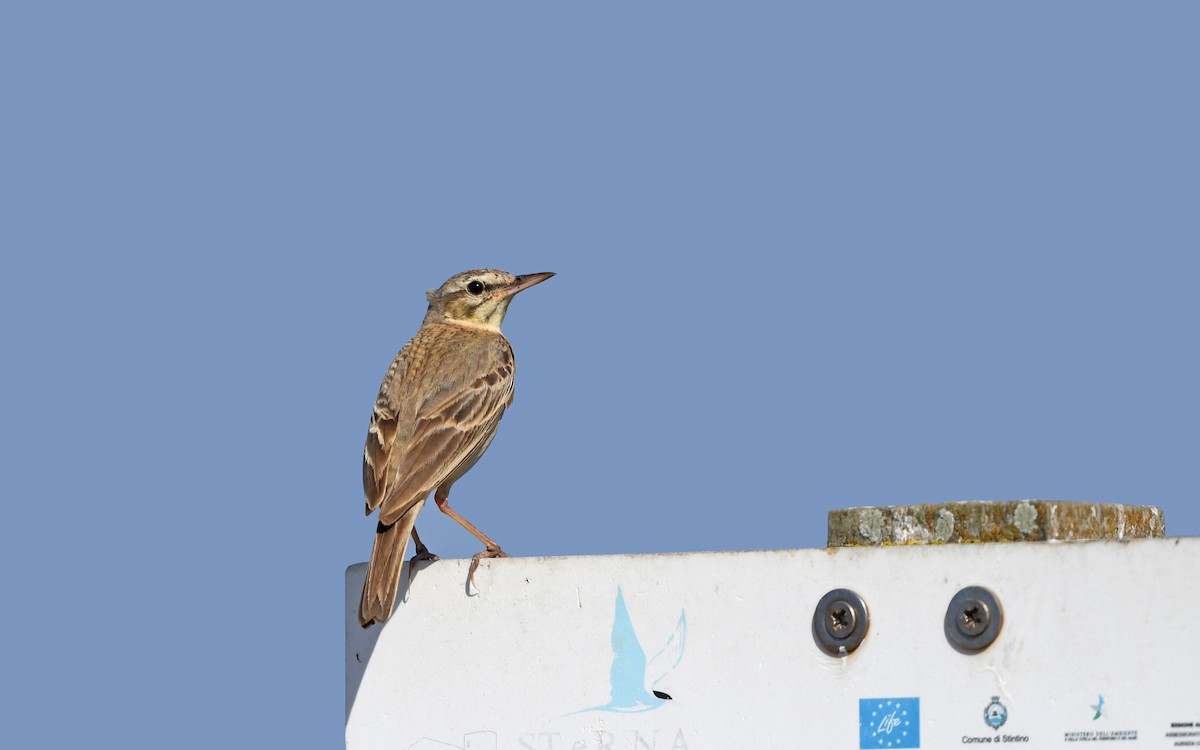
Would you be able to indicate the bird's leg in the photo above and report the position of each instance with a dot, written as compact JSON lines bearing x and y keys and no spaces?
{"x":493,"y":549}
{"x":422,"y":553}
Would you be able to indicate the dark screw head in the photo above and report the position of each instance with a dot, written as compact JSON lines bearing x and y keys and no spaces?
{"x":840,"y":622}
{"x":840,"y":619}
{"x":973,"y":617}
{"x":973,"y":620}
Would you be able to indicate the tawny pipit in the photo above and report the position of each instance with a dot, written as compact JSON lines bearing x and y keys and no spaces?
{"x":436,"y":414}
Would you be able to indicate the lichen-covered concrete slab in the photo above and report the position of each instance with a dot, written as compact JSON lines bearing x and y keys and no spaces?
{"x":993,"y":521}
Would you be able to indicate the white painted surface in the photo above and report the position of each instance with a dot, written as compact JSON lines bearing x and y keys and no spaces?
{"x":526,"y":662}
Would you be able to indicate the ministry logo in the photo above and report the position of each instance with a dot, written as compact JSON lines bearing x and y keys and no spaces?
{"x":889,"y":722}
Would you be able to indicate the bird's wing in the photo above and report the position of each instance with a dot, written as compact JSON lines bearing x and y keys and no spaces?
{"x":669,"y":656}
{"x":454,"y":409}
{"x":381,"y":440}
{"x":381,"y":435}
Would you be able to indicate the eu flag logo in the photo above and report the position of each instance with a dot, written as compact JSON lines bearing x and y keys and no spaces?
{"x":889,"y":722}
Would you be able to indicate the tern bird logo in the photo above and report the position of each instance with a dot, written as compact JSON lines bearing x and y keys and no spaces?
{"x":634,"y":678}
{"x":1098,"y":708}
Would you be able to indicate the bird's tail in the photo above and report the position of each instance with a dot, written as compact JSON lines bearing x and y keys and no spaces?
{"x":383,"y":572}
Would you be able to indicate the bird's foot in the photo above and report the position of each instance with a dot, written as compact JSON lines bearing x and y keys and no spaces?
{"x":423,"y":554}
{"x":488,"y":553}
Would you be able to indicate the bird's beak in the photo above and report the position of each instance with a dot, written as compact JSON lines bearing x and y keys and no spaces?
{"x":520,"y":284}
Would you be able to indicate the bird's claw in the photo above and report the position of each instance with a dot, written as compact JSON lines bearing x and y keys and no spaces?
{"x":490,"y":552}
{"x":423,"y":554}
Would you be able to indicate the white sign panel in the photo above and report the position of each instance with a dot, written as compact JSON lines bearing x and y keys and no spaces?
{"x":1099,"y":647}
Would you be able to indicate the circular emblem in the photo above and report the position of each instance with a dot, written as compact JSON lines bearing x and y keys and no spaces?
{"x":995,"y":714}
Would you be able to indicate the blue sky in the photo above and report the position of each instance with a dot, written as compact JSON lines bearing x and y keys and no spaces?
{"x":808,"y":257}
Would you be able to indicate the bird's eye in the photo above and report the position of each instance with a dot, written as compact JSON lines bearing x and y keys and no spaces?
{"x":475,"y":287}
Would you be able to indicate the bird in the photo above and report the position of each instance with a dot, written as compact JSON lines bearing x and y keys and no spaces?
{"x":436,"y":413}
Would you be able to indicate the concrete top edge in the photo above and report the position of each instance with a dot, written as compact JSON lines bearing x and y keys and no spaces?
{"x":993,"y":521}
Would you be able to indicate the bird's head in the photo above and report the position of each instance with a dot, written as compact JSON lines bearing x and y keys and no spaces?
{"x":478,"y":298}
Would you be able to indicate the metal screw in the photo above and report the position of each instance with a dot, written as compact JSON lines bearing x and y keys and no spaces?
{"x":973,"y":617}
{"x":840,"y":622}
{"x":973,"y":620}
